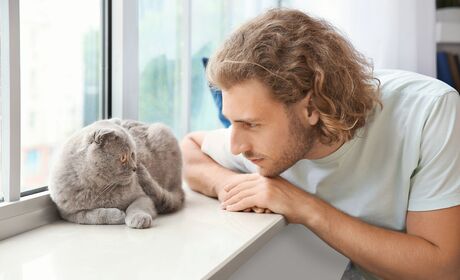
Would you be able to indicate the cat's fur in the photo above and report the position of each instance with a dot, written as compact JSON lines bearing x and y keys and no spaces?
{"x":91,"y":184}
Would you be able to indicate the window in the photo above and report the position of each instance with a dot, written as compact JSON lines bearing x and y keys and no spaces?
{"x":61,"y":69}
{"x":161,"y":41}
{"x":61,"y":81}
{"x":61,"y":57}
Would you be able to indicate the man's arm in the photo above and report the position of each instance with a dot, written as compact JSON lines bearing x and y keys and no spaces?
{"x":202,"y":173}
{"x":205,"y":176}
{"x":429,"y":250}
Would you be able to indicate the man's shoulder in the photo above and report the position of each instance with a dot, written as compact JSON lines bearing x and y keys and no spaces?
{"x":405,"y":84}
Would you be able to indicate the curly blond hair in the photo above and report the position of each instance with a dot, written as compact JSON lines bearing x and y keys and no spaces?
{"x":295,"y":54}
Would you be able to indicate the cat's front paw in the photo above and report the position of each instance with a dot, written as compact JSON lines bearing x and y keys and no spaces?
{"x":114,"y":216}
{"x":139,"y":220}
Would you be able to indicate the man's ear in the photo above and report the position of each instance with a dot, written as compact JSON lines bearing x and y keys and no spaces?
{"x":310,"y":114}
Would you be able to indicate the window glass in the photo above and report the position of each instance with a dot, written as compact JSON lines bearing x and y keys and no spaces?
{"x":212,"y":22}
{"x":160,"y":55}
{"x":61,"y":66}
{"x":160,"y":62}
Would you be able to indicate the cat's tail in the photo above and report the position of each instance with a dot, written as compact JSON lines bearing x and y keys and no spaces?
{"x":165,"y":201}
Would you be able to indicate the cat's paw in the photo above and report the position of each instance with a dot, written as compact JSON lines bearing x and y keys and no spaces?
{"x":114,"y":216}
{"x":139,"y":220}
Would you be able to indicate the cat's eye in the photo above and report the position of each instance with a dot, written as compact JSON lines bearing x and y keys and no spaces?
{"x":123,"y":158}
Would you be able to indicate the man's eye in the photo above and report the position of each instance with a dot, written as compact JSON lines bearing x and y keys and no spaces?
{"x":250,"y":125}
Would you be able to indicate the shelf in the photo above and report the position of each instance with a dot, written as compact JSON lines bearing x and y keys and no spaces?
{"x":448,"y":32}
{"x":448,"y":25}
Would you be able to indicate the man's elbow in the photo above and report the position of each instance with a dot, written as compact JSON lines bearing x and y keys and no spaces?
{"x":455,"y":264}
{"x":191,"y":157}
{"x":449,"y":269}
{"x":185,"y":145}
{"x":191,"y":147}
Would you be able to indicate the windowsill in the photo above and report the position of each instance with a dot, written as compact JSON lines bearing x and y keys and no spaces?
{"x":200,"y":241}
{"x":26,"y":214}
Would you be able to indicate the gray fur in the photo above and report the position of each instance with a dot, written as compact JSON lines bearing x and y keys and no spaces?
{"x":90,"y":184}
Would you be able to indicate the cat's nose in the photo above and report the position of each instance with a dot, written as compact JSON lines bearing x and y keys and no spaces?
{"x":134,"y":169}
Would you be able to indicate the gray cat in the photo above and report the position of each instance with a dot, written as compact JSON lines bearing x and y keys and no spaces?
{"x":115,"y":172}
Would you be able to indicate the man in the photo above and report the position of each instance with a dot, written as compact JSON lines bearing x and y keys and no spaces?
{"x":368,"y":161}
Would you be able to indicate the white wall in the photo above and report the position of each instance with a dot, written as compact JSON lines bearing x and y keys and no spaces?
{"x":295,"y":253}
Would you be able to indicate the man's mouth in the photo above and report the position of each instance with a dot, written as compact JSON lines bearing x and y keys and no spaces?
{"x":256,"y":160}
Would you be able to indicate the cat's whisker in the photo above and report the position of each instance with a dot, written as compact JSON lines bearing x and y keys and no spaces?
{"x":96,"y":198}
{"x":104,"y":190}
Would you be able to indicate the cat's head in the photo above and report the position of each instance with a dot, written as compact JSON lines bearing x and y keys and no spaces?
{"x":110,"y":154}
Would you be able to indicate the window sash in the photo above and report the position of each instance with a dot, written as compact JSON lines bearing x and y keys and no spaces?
{"x":11,"y":99}
{"x":24,"y":211}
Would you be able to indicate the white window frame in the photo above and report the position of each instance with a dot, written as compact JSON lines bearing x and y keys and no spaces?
{"x":125,"y":59}
{"x":18,"y":214}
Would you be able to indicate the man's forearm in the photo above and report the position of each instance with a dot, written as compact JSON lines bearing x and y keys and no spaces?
{"x":201,"y":173}
{"x":388,"y":254}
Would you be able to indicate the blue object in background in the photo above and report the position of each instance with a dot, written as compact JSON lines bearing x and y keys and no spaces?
{"x":217,"y":97}
{"x":443,"y":69}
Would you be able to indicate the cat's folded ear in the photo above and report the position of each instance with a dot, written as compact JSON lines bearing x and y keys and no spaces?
{"x":115,"y":120}
{"x":100,"y":135}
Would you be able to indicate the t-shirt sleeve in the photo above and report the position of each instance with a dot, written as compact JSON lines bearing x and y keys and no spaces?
{"x":216,"y":145}
{"x":435,"y":183}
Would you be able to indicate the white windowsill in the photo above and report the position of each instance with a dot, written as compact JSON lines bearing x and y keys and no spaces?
{"x":199,"y":242}
{"x":26,"y":214}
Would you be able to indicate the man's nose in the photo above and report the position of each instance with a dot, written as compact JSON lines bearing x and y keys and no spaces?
{"x":239,"y":144}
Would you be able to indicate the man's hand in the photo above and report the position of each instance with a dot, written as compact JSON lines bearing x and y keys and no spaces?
{"x":274,"y":194}
{"x":236,"y":180}
{"x":207,"y":182}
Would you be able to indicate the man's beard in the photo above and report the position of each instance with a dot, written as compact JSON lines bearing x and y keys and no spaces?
{"x":300,"y":142}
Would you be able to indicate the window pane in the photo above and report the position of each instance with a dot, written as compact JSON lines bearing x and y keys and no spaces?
{"x":212,"y":22}
{"x":61,"y":68}
{"x":159,"y":62}
{"x":160,"y":39}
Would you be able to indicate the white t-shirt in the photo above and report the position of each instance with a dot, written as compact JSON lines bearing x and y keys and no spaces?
{"x":406,"y":158}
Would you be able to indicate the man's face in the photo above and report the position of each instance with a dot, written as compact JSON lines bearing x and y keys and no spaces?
{"x":263,"y":130}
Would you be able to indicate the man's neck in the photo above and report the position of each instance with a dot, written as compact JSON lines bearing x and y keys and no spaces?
{"x":320,"y":150}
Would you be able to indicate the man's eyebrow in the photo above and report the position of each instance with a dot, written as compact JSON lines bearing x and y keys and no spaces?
{"x":244,"y":120}
{"x":247,"y":120}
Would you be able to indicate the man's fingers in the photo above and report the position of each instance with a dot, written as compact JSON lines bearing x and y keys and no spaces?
{"x":239,"y":196}
{"x":258,"y":210}
{"x":247,"y":202}
{"x":237,"y":189}
{"x":240,"y":179}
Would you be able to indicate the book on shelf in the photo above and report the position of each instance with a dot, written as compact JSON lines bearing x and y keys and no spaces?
{"x":448,"y":69}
